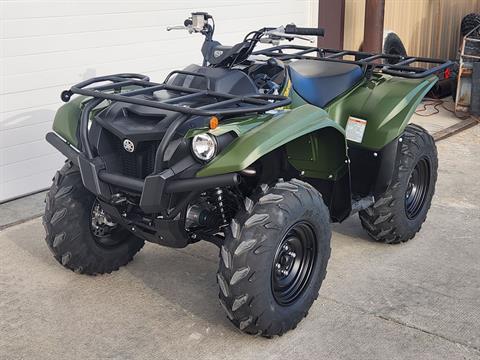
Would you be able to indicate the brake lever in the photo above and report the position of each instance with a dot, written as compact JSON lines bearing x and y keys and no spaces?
{"x":303,"y":38}
{"x":176,"y":27}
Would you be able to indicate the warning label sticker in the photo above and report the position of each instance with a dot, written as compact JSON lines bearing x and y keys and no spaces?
{"x":355,"y":129}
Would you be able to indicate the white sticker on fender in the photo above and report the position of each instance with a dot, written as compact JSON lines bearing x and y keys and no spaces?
{"x":355,"y":129}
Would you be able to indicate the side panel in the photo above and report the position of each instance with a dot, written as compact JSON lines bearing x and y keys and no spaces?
{"x":385,"y":102}
{"x":320,"y":154}
{"x":281,"y":129}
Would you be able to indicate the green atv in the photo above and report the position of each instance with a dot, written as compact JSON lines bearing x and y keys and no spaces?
{"x":255,"y":151}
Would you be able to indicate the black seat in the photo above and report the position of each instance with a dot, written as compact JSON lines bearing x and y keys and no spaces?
{"x":319,"y":82}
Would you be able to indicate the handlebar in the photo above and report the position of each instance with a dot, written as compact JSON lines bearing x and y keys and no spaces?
{"x":294,"y":30}
{"x":202,"y":22}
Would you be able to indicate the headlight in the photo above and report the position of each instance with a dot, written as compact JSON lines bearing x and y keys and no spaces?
{"x":204,"y":146}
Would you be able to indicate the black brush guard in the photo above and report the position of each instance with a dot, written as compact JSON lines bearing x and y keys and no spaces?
{"x":375,"y":62}
{"x":123,"y":88}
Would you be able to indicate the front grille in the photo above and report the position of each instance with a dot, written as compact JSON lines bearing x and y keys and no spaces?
{"x":141,"y":162}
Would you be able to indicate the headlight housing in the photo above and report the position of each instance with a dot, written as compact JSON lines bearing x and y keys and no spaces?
{"x":204,"y":146}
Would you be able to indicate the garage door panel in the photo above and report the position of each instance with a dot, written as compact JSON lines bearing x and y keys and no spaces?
{"x":27,"y":151}
{"x":29,"y":184}
{"x":68,"y":76}
{"x":25,"y":134}
{"x":36,"y":115}
{"x":56,"y":9}
{"x":29,"y":167}
{"x":15,"y":9}
{"x":75,"y":23}
{"x":93,"y":39}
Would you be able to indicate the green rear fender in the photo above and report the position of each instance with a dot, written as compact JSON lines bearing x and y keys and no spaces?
{"x":387,"y":103}
{"x":315,"y":144}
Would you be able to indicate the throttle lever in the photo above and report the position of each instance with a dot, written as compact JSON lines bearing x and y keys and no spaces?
{"x":280,"y":33}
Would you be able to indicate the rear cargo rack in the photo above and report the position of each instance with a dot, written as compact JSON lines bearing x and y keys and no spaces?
{"x":376,"y":62}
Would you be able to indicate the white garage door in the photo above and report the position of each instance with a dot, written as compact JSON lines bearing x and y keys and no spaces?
{"x":46,"y":46}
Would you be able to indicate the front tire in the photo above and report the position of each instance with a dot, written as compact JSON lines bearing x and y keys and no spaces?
{"x":400,"y":212}
{"x":70,"y":235}
{"x":274,"y":259}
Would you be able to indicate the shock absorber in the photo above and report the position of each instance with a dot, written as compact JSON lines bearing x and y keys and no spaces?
{"x":221,"y":207}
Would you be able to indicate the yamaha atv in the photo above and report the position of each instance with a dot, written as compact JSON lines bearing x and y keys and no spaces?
{"x":257,"y":151}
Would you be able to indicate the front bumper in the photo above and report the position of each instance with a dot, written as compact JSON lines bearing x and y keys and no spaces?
{"x":154,"y":191}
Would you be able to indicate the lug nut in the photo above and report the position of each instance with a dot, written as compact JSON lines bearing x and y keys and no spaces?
{"x":292,"y":254}
{"x":284,"y":272}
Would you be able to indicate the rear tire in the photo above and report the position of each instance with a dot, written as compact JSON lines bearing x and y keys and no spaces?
{"x":393,"y":45}
{"x":470,"y":22}
{"x":69,"y":232}
{"x":274,"y":259}
{"x":400,"y":212}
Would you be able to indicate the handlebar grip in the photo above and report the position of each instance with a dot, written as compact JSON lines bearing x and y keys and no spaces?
{"x":293,"y":29}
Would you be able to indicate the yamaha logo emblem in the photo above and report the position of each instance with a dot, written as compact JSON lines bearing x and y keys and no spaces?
{"x":128,"y":145}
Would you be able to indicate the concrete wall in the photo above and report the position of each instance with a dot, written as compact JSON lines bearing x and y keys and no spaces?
{"x":46,"y":46}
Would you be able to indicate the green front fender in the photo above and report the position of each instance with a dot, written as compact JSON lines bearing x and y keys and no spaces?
{"x":296,"y":128}
{"x":67,"y":119}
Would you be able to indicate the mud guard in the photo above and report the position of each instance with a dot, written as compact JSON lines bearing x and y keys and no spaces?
{"x":315,"y":144}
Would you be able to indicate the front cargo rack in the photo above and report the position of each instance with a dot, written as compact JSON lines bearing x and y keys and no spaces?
{"x":125,"y":88}
{"x":129,"y":88}
{"x":395,"y":65}
{"x":218,"y":104}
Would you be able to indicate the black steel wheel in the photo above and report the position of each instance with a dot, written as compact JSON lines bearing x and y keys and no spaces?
{"x":398,"y":214}
{"x":293,"y":263}
{"x":417,"y":188}
{"x":274,"y":258}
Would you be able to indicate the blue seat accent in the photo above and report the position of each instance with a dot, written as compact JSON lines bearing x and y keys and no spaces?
{"x":319,"y":82}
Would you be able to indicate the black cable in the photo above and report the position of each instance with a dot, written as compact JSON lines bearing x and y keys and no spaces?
{"x":436,"y":103}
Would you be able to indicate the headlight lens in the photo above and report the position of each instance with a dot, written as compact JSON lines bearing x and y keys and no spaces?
{"x":204,"y":146}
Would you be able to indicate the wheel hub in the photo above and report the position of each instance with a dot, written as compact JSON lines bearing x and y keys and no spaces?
{"x":286,"y":260}
{"x":102,"y":228}
{"x":293,"y":263}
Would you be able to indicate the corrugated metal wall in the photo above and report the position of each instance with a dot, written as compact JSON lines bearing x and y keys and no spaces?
{"x":46,"y":46}
{"x":426,"y":27}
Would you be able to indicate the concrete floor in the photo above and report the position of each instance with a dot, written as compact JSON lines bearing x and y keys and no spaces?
{"x":419,"y":300}
{"x":19,"y":210}
{"x":435,"y":115}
